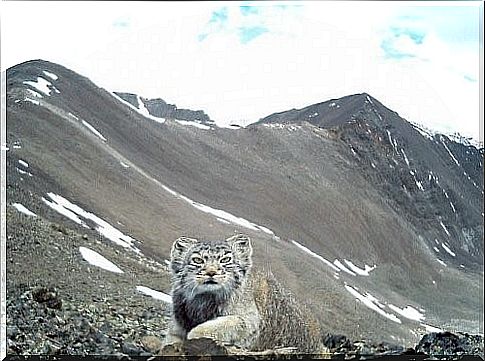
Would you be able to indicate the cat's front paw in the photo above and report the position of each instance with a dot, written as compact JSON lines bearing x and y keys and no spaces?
{"x":225,"y":330}
{"x":204,"y":330}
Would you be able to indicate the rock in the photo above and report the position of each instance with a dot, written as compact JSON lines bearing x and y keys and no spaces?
{"x":175,"y":349}
{"x":47,"y":296}
{"x":337,"y":342}
{"x":447,"y":343}
{"x":204,"y":347}
{"x":81,"y":328}
{"x":151,"y":343}
{"x":195,"y":347}
{"x":131,"y":349}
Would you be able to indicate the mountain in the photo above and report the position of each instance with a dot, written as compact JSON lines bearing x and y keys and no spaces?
{"x":374,"y":224}
{"x":159,"y":108}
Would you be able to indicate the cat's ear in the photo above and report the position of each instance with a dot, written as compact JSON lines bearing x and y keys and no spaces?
{"x":179,"y":249}
{"x":241,"y":246}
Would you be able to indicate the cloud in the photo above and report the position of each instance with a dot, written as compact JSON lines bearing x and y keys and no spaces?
{"x":248,"y":10}
{"x":402,"y":42}
{"x":398,"y":48}
{"x":470,"y":78}
{"x":219,"y":16}
{"x":246,"y":34}
{"x":243,"y":61}
{"x":122,"y":22}
{"x":244,"y":23}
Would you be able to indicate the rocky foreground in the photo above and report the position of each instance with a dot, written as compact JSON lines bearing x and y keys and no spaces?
{"x":40,"y":322}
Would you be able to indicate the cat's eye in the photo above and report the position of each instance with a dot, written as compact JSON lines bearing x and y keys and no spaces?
{"x":197,"y":260}
{"x":226,"y":259}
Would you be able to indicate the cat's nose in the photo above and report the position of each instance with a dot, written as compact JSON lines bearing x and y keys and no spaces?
{"x":211,"y":273}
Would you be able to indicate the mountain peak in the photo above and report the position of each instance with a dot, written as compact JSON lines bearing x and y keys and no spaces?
{"x":330,"y":113}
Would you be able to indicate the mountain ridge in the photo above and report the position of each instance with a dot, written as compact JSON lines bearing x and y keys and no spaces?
{"x":364,"y":189}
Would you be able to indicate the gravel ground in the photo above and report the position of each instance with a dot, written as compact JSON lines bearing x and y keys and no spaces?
{"x":57,"y":303}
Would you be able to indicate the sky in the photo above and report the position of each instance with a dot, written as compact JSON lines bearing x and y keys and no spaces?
{"x":241,"y":61}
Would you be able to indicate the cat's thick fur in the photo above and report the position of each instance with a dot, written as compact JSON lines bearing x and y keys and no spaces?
{"x":216,"y":294}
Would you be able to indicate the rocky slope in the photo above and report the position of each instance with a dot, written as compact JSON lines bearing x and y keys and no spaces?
{"x":159,"y":108}
{"x":373,"y":223}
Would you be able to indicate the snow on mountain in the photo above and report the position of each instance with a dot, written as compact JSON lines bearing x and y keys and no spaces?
{"x":348,"y":178}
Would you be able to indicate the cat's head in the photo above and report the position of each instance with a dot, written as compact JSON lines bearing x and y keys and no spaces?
{"x":203,"y":266}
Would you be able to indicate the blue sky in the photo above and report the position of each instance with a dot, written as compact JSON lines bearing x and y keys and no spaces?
{"x":240,"y":61}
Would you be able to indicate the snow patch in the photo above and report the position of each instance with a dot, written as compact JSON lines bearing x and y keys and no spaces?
{"x":430,"y":328}
{"x":21,"y":208}
{"x":441,"y":262}
{"x":444,"y":227}
{"x":98,"y":260}
{"x":193,"y":124}
{"x":149,"y":116}
{"x":289,"y":127}
{"x":220,"y":214}
{"x":266,"y":230}
{"x":72,"y":115}
{"x":375,"y":300}
{"x":73,"y":212}
{"x":23,"y":172}
{"x":419,"y":184}
{"x":447,"y":249}
{"x":141,"y":106}
{"x":360,"y":271}
{"x":50,"y":75}
{"x":313,"y":254}
{"x":64,"y":211}
{"x":155,"y":294}
{"x":466,"y":141}
{"x":94,"y":130}
{"x":408,"y":312}
{"x":423,"y":131}
{"x":41,"y":85}
{"x":405,"y":157}
{"x":343,"y":268}
{"x":36,"y":102}
{"x":448,"y":150}
{"x":274,"y":125}
{"x":370,"y":301}
{"x":34,"y":93}
{"x":392,"y":141}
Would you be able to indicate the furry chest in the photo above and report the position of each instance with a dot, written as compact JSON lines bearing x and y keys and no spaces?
{"x":201,"y":308}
